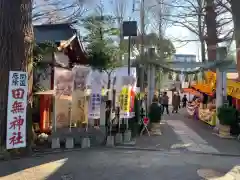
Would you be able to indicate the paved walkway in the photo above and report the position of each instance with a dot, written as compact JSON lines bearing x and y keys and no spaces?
{"x":184,"y":134}
{"x":116,"y":164}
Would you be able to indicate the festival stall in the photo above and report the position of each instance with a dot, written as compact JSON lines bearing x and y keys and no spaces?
{"x":192,"y":106}
{"x":207,"y":113}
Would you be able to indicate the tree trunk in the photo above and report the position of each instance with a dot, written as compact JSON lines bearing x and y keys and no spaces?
{"x":210,"y":19}
{"x":235,"y":4}
{"x":28,"y":44}
{"x":15,"y":48}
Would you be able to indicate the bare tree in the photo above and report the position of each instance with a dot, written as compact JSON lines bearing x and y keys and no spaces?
{"x":56,"y":11}
{"x":189,"y":15}
{"x":16,"y":35}
{"x":158,"y":11}
{"x":192,"y":15}
{"x":120,"y":14}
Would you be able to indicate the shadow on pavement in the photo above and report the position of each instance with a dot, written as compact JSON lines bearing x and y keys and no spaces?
{"x":224,"y":146}
{"x":98,"y":165}
{"x":167,"y":141}
{"x":32,"y":168}
{"x":112,"y":164}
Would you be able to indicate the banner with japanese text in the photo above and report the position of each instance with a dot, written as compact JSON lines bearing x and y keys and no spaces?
{"x":132,"y":98}
{"x":63,"y":86}
{"x":94,"y":105}
{"x":233,"y":88}
{"x":79,"y":101}
{"x":125,"y":102}
{"x":81,"y":75}
{"x":79,"y":107}
{"x":122,"y":81}
{"x":17,"y":105}
{"x":95,"y":97}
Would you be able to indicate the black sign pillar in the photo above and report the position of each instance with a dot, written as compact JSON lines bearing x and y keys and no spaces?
{"x":129,"y":29}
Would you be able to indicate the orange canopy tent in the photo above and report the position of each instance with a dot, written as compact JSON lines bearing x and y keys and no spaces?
{"x":204,"y":88}
{"x":192,"y":91}
{"x":207,"y":86}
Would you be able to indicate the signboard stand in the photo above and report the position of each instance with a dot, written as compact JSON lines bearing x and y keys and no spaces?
{"x":127,"y":134}
{"x":110,"y":138}
{"x":85,"y":142}
{"x":55,"y":143}
{"x":145,"y":122}
{"x":119,"y":136}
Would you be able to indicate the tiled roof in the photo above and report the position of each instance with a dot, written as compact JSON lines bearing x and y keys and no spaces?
{"x":53,"y":32}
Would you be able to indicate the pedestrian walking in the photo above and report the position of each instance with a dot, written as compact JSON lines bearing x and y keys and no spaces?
{"x":176,"y":102}
{"x":165,"y":102}
{"x":160,"y":101}
{"x":184,"y":101}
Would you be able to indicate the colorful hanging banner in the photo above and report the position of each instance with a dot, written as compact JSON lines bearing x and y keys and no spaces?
{"x":125,"y":102}
{"x":132,"y":98}
{"x":233,"y":88}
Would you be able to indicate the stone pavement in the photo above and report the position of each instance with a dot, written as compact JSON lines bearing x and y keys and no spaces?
{"x":115,"y":164}
{"x":184,"y":134}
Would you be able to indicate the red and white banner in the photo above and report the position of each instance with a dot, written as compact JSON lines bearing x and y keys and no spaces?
{"x":132,"y":97}
{"x":17,"y":108}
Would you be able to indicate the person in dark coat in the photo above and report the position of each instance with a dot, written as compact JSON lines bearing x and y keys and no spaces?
{"x":154,"y":112}
{"x":175,"y":102}
{"x":184,"y":101}
{"x":154,"y":115}
{"x":165,"y":102}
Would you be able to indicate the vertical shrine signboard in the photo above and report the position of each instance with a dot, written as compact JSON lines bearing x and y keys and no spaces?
{"x":17,"y":108}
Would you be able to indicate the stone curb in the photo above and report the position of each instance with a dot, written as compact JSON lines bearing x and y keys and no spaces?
{"x":39,"y":154}
{"x":175,"y":151}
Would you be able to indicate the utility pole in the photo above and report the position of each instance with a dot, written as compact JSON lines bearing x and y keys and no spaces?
{"x":142,"y":29}
{"x":160,"y":35}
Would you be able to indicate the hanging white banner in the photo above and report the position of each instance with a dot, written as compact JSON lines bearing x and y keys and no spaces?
{"x":94,"y":105}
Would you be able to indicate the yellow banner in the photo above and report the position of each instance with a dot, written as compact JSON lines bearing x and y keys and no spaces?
{"x":208,"y":85}
{"x":211,"y":79}
{"x":233,"y":88}
{"x":125,"y":99}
